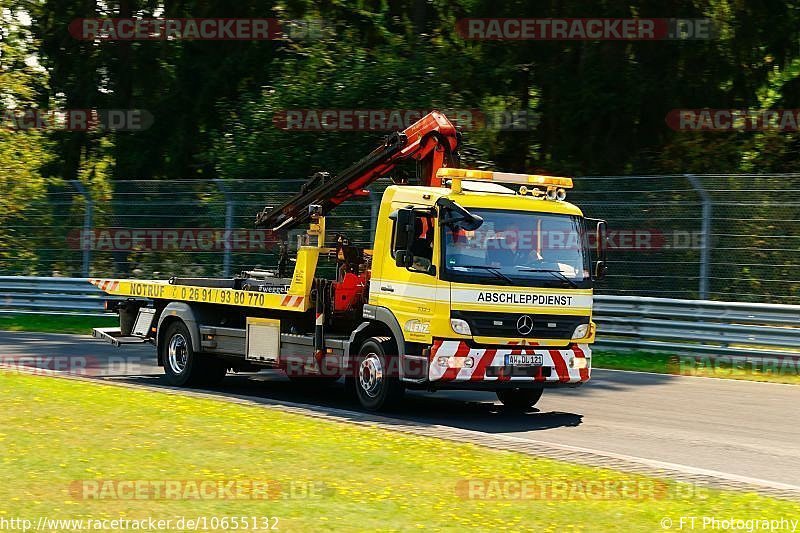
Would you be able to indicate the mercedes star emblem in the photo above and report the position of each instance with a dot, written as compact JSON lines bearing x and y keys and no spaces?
{"x":525,"y":325}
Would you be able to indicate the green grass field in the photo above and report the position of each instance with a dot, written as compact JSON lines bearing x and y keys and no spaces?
{"x":55,"y":323}
{"x":664,"y":363}
{"x":56,"y":433}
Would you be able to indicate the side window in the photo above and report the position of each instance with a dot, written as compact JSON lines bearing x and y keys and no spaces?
{"x":421,"y":245}
{"x":394,"y":242}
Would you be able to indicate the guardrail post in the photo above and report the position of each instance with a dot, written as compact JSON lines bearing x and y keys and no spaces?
{"x":226,"y":258}
{"x":88,"y":215}
{"x":705,"y":250}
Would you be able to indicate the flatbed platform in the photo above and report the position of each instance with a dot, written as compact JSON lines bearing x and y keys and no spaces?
{"x":164,"y":290}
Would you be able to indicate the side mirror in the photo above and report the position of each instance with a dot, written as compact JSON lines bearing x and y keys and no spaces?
{"x":601,"y":237}
{"x":403,"y":258}
{"x":600,"y":270}
{"x":405,"y":238}
{"x":457,"y":216}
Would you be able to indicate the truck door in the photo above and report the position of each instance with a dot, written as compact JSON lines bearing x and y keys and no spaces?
{"x":414,"y":294}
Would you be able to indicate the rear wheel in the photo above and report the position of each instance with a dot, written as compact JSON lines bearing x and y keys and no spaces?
{"x":376,"y":380}
{"x":519,"y":399}
{"x":183,"y":367}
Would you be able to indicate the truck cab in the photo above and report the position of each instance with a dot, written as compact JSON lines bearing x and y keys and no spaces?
{"x":484,"y":286}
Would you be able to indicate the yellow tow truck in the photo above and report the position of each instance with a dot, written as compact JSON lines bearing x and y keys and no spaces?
{"x":476,"y":280}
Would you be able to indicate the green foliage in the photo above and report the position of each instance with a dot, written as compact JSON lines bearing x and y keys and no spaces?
{"x":22,"y":152}
{"x":601,"y":105}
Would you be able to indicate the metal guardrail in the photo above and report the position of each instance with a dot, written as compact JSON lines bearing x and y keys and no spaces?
{"x":697,"y":326}
{"x":624,"y":322}
{"x":52,"y":296}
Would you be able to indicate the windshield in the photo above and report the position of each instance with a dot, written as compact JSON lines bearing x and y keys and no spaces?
{"x":515,"y":247}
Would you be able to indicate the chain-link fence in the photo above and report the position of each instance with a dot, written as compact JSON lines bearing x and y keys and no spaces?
{"x":719,"y":237}
{"x":149,"y":228}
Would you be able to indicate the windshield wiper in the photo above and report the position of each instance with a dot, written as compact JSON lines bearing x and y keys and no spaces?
{"x":556,"y":273}
{"x":493,"y":270}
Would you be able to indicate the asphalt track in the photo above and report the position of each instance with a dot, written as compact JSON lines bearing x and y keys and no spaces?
{"x":742,"y":429}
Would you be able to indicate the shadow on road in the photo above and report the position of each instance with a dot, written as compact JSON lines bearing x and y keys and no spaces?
{"x":464,"y":410}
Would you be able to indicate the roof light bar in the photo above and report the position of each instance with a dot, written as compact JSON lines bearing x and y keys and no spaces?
{"x":504,"y":177}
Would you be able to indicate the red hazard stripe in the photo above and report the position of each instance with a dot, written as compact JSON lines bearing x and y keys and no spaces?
{"x":480,"y":369}
{"x":561,"y":366}
{"x":435,"y":348}
{"x":286,"y":300}
{"x":584,"y":371}
{"x":539,"y":375}
{"x":451,"y":373}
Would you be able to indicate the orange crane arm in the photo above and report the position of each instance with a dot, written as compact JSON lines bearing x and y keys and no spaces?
{"x":432,"y":140}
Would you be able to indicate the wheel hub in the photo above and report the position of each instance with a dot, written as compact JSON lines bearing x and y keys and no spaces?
{"x":370,"y":375}
{"x":178,"y":353}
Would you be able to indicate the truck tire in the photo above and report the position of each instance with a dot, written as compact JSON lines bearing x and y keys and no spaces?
{"x":519,"y":399}
{"x":183,"y":367}
{"x":376,"y":383}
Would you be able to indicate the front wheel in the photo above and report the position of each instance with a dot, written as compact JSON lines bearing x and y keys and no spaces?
{"x":183,"y":367}
{"x":519,"y":399}
{"x":376,"y":382}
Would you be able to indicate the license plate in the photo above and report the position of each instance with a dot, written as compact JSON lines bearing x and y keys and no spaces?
{"x":524,"y":360}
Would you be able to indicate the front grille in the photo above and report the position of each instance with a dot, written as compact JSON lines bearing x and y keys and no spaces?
{"x":485,"y":324}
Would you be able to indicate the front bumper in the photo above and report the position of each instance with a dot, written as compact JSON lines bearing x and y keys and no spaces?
{"x":568,"y":366}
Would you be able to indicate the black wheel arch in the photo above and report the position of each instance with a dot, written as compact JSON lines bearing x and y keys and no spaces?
{"x":177,"y":312}
{"x":380,"y":322}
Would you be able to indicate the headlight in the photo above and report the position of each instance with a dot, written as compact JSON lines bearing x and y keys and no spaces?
{"x":460,"y":326}
{"x":581,"y":331}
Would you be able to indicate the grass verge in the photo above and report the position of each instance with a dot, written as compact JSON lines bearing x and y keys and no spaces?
{"x":766,"y":369}
{"x":59,"y":432}
{"x":56,"y":323}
